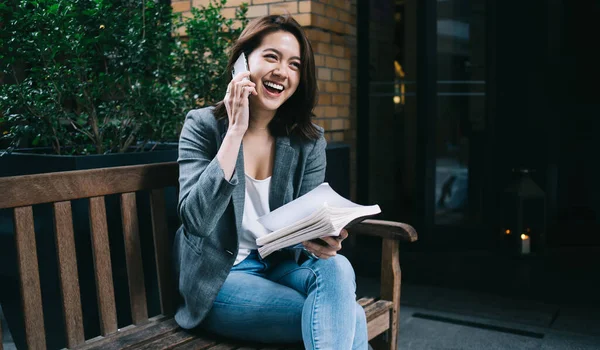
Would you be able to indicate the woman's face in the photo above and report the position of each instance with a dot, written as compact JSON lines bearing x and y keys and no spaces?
{"x":275,"y":69}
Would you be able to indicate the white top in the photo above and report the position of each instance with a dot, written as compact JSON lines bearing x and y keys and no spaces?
{"x":256,"y":204}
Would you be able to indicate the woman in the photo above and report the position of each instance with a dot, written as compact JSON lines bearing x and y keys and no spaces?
{"x":253,"y":152}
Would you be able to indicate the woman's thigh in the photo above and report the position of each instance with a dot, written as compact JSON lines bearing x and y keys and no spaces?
{"x":251,"y":307}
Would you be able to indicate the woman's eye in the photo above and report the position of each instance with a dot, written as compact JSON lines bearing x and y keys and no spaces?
{"x":296,"y":65}
{"x":273,"y":57}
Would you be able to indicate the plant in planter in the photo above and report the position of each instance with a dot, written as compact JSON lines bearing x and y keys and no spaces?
{"x":101,"y":76}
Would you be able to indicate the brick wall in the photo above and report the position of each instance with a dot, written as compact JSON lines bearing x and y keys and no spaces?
{"x":331,"y":28}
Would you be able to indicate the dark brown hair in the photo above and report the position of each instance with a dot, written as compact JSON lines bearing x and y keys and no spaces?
{"x":293,"y":118}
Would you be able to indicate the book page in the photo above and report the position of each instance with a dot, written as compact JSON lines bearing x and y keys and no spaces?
{"x":304,"y":206}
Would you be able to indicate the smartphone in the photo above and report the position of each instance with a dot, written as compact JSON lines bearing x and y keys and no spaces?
{"x":240,"y":65}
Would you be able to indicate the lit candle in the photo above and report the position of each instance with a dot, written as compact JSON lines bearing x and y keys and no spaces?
{"x":525,"y":244}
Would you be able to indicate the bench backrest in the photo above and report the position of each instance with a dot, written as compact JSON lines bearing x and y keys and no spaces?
{"x":23,"y":192}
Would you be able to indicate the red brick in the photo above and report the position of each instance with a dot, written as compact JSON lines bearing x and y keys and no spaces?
{"x":331,"y":86}
{"x":323,"y":49}
{"x":304,"y":19}
{"x":324,"y":99}
{"x":331,"y":12}
{"x":283,"y":8}
{"x":304,"y":6}
{"x":181,"y":6}
{"x":257,"y":11}
{"x":338,"y":75}
{"x":338,"y":50}
{"x":257,"y":2}
{"x":331,"y":111}
{"x":319,"y":59}
{"x":344,"y":63}
{"x":331,"y":62}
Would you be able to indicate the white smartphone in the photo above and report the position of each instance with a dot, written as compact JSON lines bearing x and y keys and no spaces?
{"x":240,"y":65}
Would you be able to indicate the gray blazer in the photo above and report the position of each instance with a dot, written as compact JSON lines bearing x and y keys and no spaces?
{"x":211,"y":208}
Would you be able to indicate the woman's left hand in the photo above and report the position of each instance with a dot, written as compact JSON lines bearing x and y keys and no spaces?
{"x":330,"y":248}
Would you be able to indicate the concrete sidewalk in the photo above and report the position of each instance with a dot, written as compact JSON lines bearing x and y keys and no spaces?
{"x":434,"y":317}
{"x":422,"y":328}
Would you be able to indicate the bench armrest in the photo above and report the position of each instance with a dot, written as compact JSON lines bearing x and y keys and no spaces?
{"x":385,"y":229}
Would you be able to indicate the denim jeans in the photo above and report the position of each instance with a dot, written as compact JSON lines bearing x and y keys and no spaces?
{"x":277,"y":300}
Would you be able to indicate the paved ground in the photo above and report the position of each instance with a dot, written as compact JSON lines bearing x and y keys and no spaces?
{"x":480,"y":300}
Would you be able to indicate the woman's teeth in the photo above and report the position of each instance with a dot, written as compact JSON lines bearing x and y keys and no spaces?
{"x":274,"y":86}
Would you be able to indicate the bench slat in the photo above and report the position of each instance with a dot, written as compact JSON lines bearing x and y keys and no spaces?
{"x":133,"y":258}
{"x":29,"y":278}
{"x":391,"y":276}
{"x":364,"y":301}
{"x":169,"y":342}
{"x":24,"y":190}
{"x":67,"y":272}
{"x":196,"y":344}
{"x":138,"y":335}
{"x":223,"y":347}
{"x":377,"y":308}
{"x":102,"y":266}
{"x":379,"y":325}
{"x":162,"y":250}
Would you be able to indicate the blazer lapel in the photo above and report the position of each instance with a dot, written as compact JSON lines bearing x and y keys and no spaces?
{"x":285,"y":156}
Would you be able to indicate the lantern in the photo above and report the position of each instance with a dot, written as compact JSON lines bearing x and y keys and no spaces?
{"x":523,"y":215}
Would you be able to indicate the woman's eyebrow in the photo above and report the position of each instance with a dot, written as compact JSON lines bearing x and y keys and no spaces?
{"x":279,"y":53}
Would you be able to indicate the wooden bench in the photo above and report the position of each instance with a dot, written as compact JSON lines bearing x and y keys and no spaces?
{"x":146,"y":331}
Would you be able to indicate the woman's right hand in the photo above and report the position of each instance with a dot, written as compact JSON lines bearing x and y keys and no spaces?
{"x":237,"y":101}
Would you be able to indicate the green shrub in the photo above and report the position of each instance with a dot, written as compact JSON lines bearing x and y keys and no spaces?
{"x":101,"y":76}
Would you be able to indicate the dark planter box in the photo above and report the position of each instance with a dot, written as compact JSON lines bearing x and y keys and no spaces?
{"x":31,"y":161}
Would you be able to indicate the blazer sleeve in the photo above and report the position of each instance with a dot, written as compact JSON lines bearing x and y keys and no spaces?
{"x":204,"y":191}
{"x":314,"y":170}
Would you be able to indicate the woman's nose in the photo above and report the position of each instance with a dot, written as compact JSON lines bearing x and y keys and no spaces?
{"x":280,"y":72}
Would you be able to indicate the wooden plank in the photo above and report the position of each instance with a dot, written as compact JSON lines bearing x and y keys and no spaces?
{"x":136,"y":335}
{"x":67,"y":273}
{"x":133,"y":258}
{"x":196,"y":344}
{"x":25,"y":190}
{"x":162,"y":250}
{"x":391,"y":277}
{"x":223,"y":347}
{"x":35,"y":334}
{"x":385,"y":229}
{"x":102,"y":266}
{"x":378,"y":325}
{"x":364,"y":301}
{"x":168,"y":342}
{"x":377,"y":308}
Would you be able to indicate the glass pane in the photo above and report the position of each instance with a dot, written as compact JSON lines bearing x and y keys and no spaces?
{"x":460,"y":110}
{"x":390,"y":95}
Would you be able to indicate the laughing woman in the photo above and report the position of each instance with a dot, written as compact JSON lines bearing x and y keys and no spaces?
{"x":248,"y":155}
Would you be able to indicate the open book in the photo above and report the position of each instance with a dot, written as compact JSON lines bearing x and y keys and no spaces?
{"x":320,"y":212}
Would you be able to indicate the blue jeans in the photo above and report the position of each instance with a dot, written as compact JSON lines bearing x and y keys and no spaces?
{"x":275,"y":300}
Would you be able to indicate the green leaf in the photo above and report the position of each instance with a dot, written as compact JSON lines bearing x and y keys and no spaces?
{"x":53,"y":9}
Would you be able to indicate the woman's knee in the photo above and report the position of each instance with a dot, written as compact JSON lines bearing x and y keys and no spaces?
{"x":337,"y":268}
